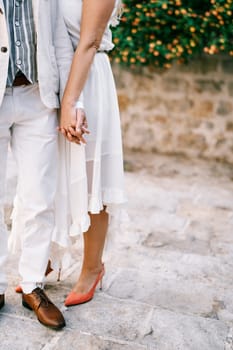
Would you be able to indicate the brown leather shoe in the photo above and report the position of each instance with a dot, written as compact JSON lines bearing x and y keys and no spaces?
{"x":2,"y":300}
{"x":47,"y":313}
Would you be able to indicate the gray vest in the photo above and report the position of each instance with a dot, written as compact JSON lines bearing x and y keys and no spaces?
{"x":19,"y":14}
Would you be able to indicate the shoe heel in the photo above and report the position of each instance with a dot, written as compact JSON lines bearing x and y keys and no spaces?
{"x":59,"y":275}
{"x":26,"y":305}
{"x":101,"y":283}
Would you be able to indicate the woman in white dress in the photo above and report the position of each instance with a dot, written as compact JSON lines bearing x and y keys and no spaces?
{"x":91,"y":150}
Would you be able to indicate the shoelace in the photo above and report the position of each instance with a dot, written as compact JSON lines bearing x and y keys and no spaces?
{"x":41,"y":296}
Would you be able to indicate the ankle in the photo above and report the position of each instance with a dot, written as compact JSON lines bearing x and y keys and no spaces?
{"x":92,"y":269}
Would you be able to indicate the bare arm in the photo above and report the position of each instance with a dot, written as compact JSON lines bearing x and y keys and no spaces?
{"x":95,"y":17}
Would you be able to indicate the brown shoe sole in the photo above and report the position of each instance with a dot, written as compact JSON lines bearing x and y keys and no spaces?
{"x":2,"y":303}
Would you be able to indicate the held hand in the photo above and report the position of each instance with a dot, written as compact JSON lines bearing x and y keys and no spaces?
{"x":68,"y":121}
{"x":81,"y":125}
{"x":73,"y":123}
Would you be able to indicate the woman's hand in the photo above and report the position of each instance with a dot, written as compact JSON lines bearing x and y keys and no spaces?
{"x":73,"y":123}
{"x":68,"y":120}
{"x":81,"y":125}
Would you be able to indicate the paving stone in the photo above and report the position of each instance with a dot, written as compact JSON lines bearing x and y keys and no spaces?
{"x":172,"y":331}
{"x":19,"y":333}
{"x":178,"y":293}
{"x":84,"y":341}
{"x":109,"y":317}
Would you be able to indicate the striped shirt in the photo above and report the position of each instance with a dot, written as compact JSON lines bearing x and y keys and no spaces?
{"x":19,"y":14}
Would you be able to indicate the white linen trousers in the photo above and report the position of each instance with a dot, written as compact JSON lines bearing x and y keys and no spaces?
{"x":31,"y":128}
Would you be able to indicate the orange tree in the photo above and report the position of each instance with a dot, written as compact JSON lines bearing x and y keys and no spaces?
{"x":159,"y":32}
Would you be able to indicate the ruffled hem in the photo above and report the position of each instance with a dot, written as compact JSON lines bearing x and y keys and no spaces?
{"x":65,"y":240}
{"x":114,"y":201}
{"x":109,"y":197}
{"x":78,"y":227}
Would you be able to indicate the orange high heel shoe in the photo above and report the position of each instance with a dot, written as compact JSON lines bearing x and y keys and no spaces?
{"x":80,"y":298}
{"x":18,"y":289}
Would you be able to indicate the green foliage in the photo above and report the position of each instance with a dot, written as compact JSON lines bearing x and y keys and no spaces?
{"x":159,"y":32}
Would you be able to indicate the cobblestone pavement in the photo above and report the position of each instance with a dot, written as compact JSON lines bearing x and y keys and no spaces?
{"x":168,"y":284}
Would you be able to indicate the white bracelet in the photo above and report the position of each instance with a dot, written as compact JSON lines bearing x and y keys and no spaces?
{"x":79,"y":104}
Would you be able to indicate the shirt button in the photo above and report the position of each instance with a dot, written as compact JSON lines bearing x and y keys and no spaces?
{"x":3,"y":49}
{"x":17,"y":43}
{"x":19,"y":61}
{"x":17,"y":4}
{"x":17,"y":23}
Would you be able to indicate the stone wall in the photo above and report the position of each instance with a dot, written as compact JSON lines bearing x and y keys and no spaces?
{"x":185,"y":110}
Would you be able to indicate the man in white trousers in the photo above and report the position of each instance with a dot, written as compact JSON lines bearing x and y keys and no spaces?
{"x":28,"y":120}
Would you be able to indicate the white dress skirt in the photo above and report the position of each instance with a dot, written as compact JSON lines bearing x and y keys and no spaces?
{"x":90,"y":176}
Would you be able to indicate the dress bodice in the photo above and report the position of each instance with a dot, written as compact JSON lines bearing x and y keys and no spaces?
{"x":72,"y":11}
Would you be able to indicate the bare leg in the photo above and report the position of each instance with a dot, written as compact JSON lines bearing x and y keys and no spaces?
{"x":94,"y":240}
